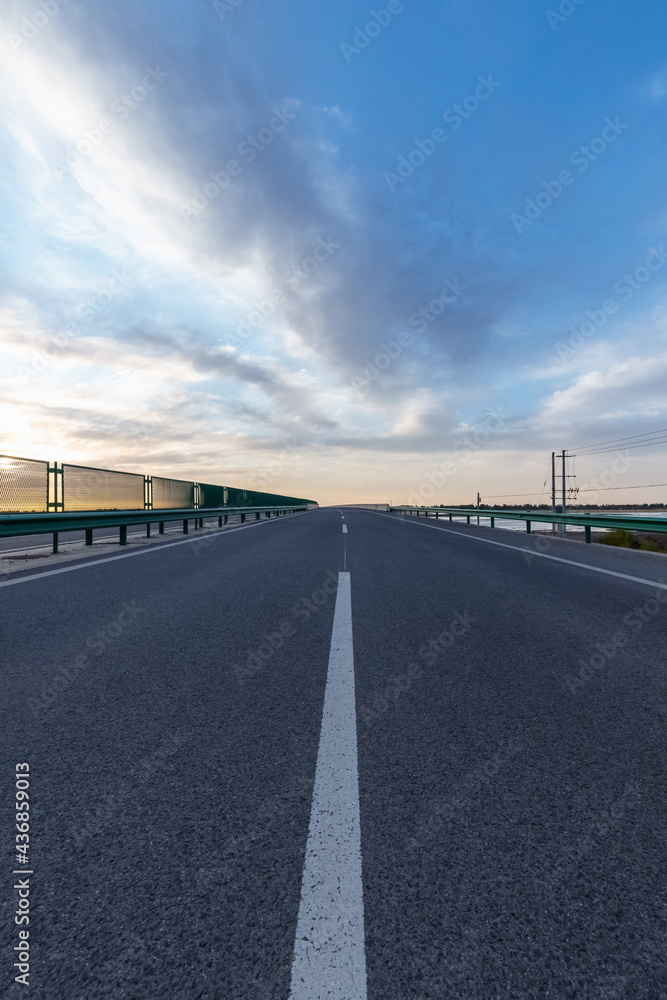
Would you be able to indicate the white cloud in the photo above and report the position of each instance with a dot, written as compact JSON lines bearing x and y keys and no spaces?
{"x":657,"y":86}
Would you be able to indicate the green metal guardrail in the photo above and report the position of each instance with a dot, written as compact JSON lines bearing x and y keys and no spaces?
{"x":14,"y":525}
{"x":587,"y":521}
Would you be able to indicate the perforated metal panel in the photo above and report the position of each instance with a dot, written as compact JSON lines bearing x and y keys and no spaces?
{"x":239,"y":498}
{"x":24,"y":485}
{"x":211,"y":496}
{"x":101,"y":489}
{"x":172,"y":493}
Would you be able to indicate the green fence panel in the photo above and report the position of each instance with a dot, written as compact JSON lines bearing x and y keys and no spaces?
{"x":172,"y":493}
{"x":86,"y":488}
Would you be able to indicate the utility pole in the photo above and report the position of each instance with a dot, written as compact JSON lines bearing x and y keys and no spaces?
{"x":564,"y":528}
{"x":553,"y":486}
{"x":479,"y":499}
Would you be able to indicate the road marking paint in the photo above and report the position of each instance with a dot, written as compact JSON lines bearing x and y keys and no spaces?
{"x":531,"y":552}
{"x":345,"y":529}
{"x":329,"y":950}
{"x":145,"y":552}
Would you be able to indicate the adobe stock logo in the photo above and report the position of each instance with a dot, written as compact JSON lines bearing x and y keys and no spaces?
{"x":625,"y":288}
{"x":566,"y":9}
{"x":362,"y":38}
{"x":418,"y":320}
{"x":222,"y":7}
{"x":249,"y":149}
{"x":581,"y":158}
{"x":122,"y":106}
{"x":31,"y":26}
{"x":454,"y":117}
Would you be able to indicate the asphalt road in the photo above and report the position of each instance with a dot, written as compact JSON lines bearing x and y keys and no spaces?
{"x":510,"y":722}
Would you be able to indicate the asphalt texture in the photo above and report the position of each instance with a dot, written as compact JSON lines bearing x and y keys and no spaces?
{"x":511,"y":715}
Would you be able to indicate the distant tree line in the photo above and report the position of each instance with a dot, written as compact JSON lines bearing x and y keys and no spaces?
{"x":547,"y":506}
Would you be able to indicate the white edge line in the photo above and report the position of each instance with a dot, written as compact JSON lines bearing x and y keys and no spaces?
{"x":530,"y":552}
{"x":143,"y":552}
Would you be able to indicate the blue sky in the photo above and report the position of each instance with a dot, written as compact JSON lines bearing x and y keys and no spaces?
{"x":360,"y":252}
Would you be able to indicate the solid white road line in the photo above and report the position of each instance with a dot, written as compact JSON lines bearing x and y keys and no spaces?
{"x":329,"y":950}
{"x":345,"y":529}
{"x":531,"y":552}
{"x":144,"y":552}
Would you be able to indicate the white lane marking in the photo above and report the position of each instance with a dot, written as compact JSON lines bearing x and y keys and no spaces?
{"x":345,"y":529}
{"x":145,"y":552}
{"x":531,"y":552}
{"x":329,"y":950}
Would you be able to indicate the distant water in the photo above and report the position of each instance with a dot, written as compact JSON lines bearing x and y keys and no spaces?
{"x":512,"y":525}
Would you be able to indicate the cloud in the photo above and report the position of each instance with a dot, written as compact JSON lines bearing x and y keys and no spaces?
{"x":633,"y":387}
{"x":657,"y":86}
{"x":83,"y":204}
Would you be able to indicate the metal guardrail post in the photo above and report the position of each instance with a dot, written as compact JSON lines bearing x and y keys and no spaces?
{"x":587,"y":532}
{"x":493,"y":522}
{"x":89,"y":536}
{"x":467,"y":518}
{"x":242,"y":518}
{"x":450,"y":517}
{"x":148,"y":529}
{"x":226,"y":518}
{"x":185,"y":526}
{"x":54,"y":475}
{"x":528,"y":528}
{"x":122,"y":533}
{"x":55,"y":543}
{"x":160,"y":527}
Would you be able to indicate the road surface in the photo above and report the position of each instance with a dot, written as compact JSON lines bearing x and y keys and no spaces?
{"x":475,"y":810}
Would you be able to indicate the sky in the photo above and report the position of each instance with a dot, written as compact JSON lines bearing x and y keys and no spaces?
{"x":360,"y":253}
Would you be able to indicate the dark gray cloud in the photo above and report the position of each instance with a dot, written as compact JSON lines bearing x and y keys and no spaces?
{"x":392,"y":260}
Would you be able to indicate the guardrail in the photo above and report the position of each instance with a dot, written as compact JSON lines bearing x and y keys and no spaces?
{"x":15,"y":525}
{"x":587,"y":521}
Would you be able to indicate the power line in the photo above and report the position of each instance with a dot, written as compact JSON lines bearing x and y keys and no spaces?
{"x":625,"y":447}
{"x":619,"y":441}
{"x":645,"y":486}
{"x":502,"y":496}
{"x":631,"y":437}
